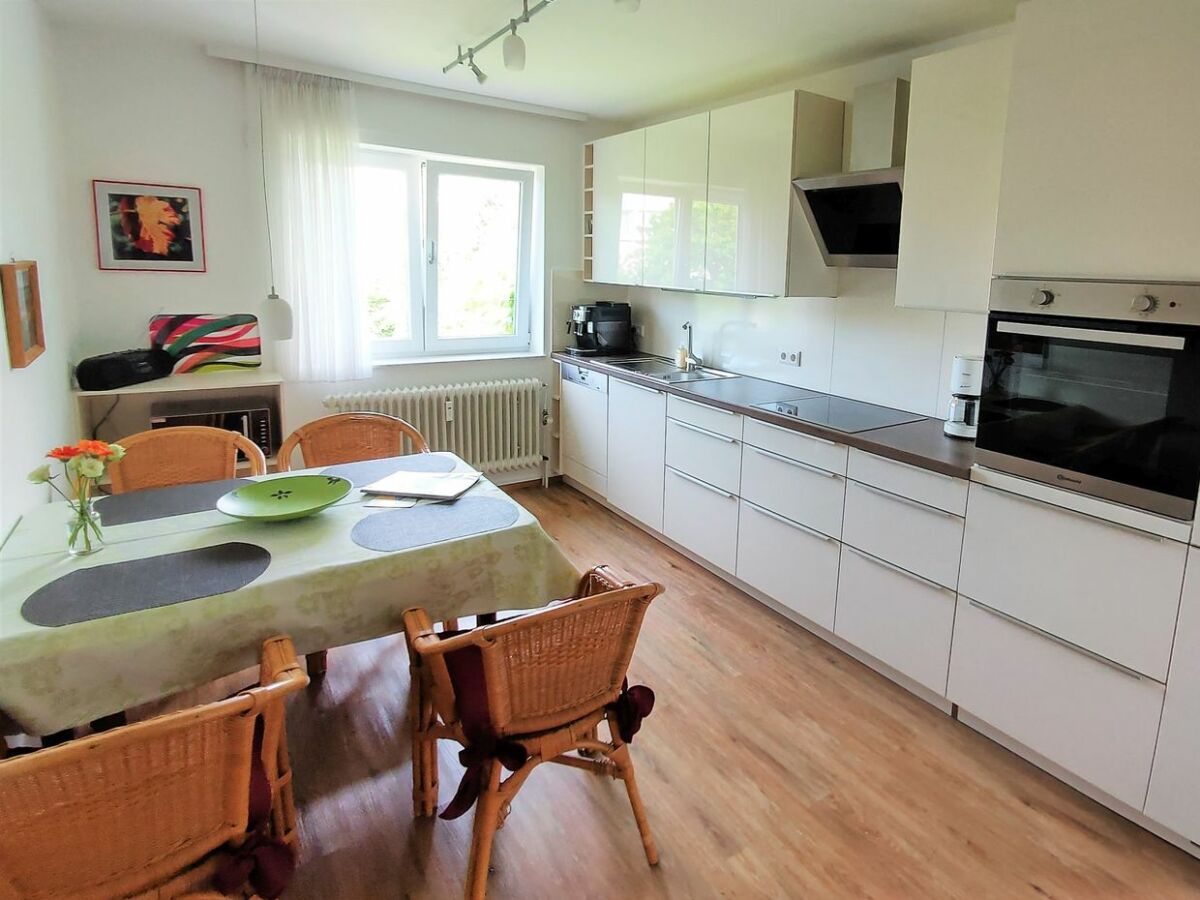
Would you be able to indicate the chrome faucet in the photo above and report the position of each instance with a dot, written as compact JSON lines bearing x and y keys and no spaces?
{"x":693,"y":361}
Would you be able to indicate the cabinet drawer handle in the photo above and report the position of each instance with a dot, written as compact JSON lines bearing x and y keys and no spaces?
{"x":706,"y":406}
{"x":915,"y":504}
{"x":786,"y":521}
{"x":1116,"y":526}
{"x":795,"y":462}
{"x":899,"y":571}
{"x":704,"y":431}
{"x":640,"y":387}
{"x":803,"y":434}
{"x":1083,"y":651}
{"x":703,"y":484}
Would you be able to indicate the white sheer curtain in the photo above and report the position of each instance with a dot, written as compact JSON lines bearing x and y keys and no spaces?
{"x":310,"y":134}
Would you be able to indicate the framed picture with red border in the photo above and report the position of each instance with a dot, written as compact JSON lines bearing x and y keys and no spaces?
{"x":144,"y":227}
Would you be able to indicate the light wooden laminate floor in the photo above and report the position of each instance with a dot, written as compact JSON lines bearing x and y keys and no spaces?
{"x":773,"y":766}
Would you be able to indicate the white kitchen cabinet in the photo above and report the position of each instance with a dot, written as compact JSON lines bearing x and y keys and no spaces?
{"x":1096,"y":721}
{"x":1105,"y":587}
{"x":583,"y":428}
{"x":701,"y":517}
{"x":618,"y":179}
{"x":805,"y":448}
{"x":637,"y":419}
{"x":930,"y":488}
{"x":675,"y":203}
{"x":708,"y":455}
{"x":1174,"y":797}
{"x":1100,"y":144}
{"x":922,"y":539}
{"x":797,"y":490}
{"x":900,"y":619}
{"x":790,"y":563}
{"x":710,"y":418}
{"x":957,"y":109}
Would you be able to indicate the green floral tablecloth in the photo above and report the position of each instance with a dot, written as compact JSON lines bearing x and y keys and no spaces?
{"x":320,"y":588}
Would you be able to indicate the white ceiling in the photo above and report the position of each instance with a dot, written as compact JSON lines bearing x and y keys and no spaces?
{"x":583,"y":55}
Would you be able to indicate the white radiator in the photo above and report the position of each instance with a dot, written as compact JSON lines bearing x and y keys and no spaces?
{"x":496,"y":426}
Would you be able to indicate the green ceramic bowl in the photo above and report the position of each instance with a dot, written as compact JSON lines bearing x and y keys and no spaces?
{"x":287,"y":497}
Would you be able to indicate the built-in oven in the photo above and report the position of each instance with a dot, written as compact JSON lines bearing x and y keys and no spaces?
{"x":1095,"y":387}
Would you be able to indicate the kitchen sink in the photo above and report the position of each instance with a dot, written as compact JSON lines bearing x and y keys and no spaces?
{"x":665,"y":370}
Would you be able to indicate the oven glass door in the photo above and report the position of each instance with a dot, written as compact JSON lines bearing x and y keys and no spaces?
{"x":1109,"y":408}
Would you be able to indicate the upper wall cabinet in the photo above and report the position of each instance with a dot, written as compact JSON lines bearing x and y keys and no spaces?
{"x":673,"y":227}
{"x":957,"y":110}
{"x":714,"y":209}
{"x":619,"y":178}
{"x":1100,"y":150}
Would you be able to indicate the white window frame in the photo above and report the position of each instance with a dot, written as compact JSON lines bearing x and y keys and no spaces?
{"x":521,"y":338}
{"x":422,"y":171}
{"x":410,"y":165}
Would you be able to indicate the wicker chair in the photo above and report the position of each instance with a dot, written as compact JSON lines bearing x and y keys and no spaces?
{"x":154,"y":809}
{"x":183,"y":455}
{"x":350,"y":437}
{"x":344,"y":438}
{"x":548,"y":679}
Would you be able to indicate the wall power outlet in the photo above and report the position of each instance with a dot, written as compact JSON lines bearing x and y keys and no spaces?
{"x":790,"y":358}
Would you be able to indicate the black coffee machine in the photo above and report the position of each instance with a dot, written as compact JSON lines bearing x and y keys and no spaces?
{"x":600,"y":329}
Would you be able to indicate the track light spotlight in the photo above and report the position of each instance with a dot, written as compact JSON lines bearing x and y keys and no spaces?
{"x":513,"y":49}
{"x":479,"y":76}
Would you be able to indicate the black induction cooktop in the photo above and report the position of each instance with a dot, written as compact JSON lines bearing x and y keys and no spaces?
{"x":839,"y":414}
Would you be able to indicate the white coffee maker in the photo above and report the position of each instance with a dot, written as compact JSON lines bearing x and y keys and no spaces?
{"x":966,"y":381}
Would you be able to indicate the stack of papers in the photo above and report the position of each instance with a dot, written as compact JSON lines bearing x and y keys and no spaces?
{"x":424,"y":485}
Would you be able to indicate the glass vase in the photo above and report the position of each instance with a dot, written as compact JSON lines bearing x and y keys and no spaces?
{"x":84,"y":534}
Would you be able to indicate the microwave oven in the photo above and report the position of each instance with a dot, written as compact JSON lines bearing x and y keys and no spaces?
{"x":256,"y":418}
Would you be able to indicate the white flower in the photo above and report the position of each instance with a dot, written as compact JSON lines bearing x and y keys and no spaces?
{"x":40,"y":475}
{"x":115,"y":452}
{"x":90,"y":467}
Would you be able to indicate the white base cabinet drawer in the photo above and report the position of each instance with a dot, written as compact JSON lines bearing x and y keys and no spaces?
{"x":708,"y":455}
{"x":805,"y":448}
{"x":796,"y":490}
{"x":792,"y":564}
{"x":1092,"y":719}
{"x":922,"y":539}
{"x":930,"y":488}
{"x":1174,"y":796}
{"x":899,"y":619}
{"x":702,"y":518}
{"x":1105,"y":587}
{"x":710,"y":418}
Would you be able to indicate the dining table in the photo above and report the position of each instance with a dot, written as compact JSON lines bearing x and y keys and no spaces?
{"x":181,"y":593}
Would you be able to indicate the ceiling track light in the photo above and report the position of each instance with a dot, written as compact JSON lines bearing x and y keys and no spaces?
{"x":513,"y":48}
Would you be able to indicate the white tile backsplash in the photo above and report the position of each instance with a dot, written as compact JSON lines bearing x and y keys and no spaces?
{"x":859,"y":345}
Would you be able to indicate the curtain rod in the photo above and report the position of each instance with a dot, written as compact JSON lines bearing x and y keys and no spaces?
{"x":246,"y":55}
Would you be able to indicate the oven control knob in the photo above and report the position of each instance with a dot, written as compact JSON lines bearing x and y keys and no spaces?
{"x":1144,"y":303}
{"x":1043,"y":297}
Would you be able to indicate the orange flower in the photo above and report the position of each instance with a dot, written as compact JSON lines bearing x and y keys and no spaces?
{"x":93,"y":448}
{"x":64,"y":453}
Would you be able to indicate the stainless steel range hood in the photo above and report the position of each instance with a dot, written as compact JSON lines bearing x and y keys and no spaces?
{"x":855,"y":215}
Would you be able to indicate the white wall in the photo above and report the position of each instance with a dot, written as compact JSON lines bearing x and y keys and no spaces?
{"x":859,"y":345}
{"x":193,"y":123}
{"x":35,"y":403}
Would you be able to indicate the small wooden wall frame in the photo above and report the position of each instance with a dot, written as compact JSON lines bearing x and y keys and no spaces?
{"x":22,"y":312}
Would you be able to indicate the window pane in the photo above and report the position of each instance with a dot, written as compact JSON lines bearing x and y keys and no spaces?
{"x":384,"y":273}
{"x":479,"y":232}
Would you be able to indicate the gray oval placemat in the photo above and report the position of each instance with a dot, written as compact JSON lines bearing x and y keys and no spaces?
{"x":136,"y":584}
{"x":403,"y":529}
{"x":162,"y":503}
{"x":371,"y":470}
